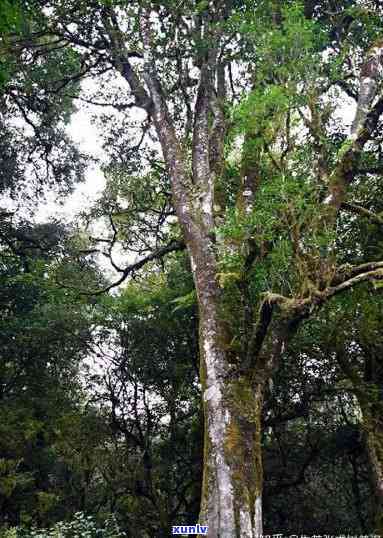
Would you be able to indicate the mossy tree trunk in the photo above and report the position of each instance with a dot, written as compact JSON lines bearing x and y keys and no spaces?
{"x":232,"y":479}
{"x":370,"y":397}
{"x":232,"y":482}
{"x":233,"y":395}
{"x":368,"y":389}
{"x":374,"y":433}
{"x":231,"y":502}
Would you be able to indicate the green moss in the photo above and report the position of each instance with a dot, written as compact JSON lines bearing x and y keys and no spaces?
{"x":372,"y":413}
{"x":347,"y":144}
{"x":243,"y":441}
{"x":242,"y":438}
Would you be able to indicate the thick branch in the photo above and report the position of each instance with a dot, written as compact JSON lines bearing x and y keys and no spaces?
{"x":200,"y":157}
{"x":347,"y":272}
{"x":120,"y":58}
{"x":171,"y":148}
{"x":363,"y":212}
{"x":348,"y":284}
{"x":365,"y":122}
{"x":296,"y":310}
{"x":370,"y":74}
{"x":260,"y":329}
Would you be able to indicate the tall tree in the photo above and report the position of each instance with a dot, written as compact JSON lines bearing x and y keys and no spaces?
{"x":242,"y":98}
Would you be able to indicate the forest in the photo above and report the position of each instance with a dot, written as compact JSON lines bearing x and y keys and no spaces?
{"x":200,"y":342}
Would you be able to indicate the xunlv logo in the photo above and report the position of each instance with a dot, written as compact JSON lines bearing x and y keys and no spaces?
{"x":192,"y":529}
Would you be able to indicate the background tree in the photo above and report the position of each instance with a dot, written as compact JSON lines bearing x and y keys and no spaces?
{"x":43,"y":338}
{"x":149,"y":389}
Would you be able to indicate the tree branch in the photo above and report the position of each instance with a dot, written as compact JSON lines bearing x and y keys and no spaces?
{"x":260,"y":329}
{"x":363,"y":277}
{"x":347,"y":272}
{"x":359,"y":210}
{"x":133,"y":267}
{"x":296,"y":310}
{"x":120,"y":59}
{"x":364,"y":124}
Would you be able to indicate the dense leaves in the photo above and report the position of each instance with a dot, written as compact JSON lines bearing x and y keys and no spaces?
{"x":249,"y":134}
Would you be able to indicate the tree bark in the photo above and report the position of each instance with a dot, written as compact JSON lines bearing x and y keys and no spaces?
{"x":368,"y":391}
{"x":232,"y":480}
{"x":375,"y":453}
{"x":231,"y":502}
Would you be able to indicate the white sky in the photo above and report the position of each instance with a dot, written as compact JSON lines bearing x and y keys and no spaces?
{"x":86,"y":136}
{"x":85,"y":133}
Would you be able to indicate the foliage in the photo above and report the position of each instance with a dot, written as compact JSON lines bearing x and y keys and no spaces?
{"x":80,"y":526}
{"x":100,"y":406}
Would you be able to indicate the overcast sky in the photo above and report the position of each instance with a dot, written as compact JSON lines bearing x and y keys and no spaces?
{"x":85,"y":135}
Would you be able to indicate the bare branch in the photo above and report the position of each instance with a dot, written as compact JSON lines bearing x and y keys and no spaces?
{"x":120,"y":107}
{"x":134,"y":267}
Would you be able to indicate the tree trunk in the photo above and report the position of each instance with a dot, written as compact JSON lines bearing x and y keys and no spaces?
{"x":233,"y":393}
{"x":368,"y":391}
{"x":232,"y":479}
{"x":231,"y":502}
{"x":374,"y":432}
